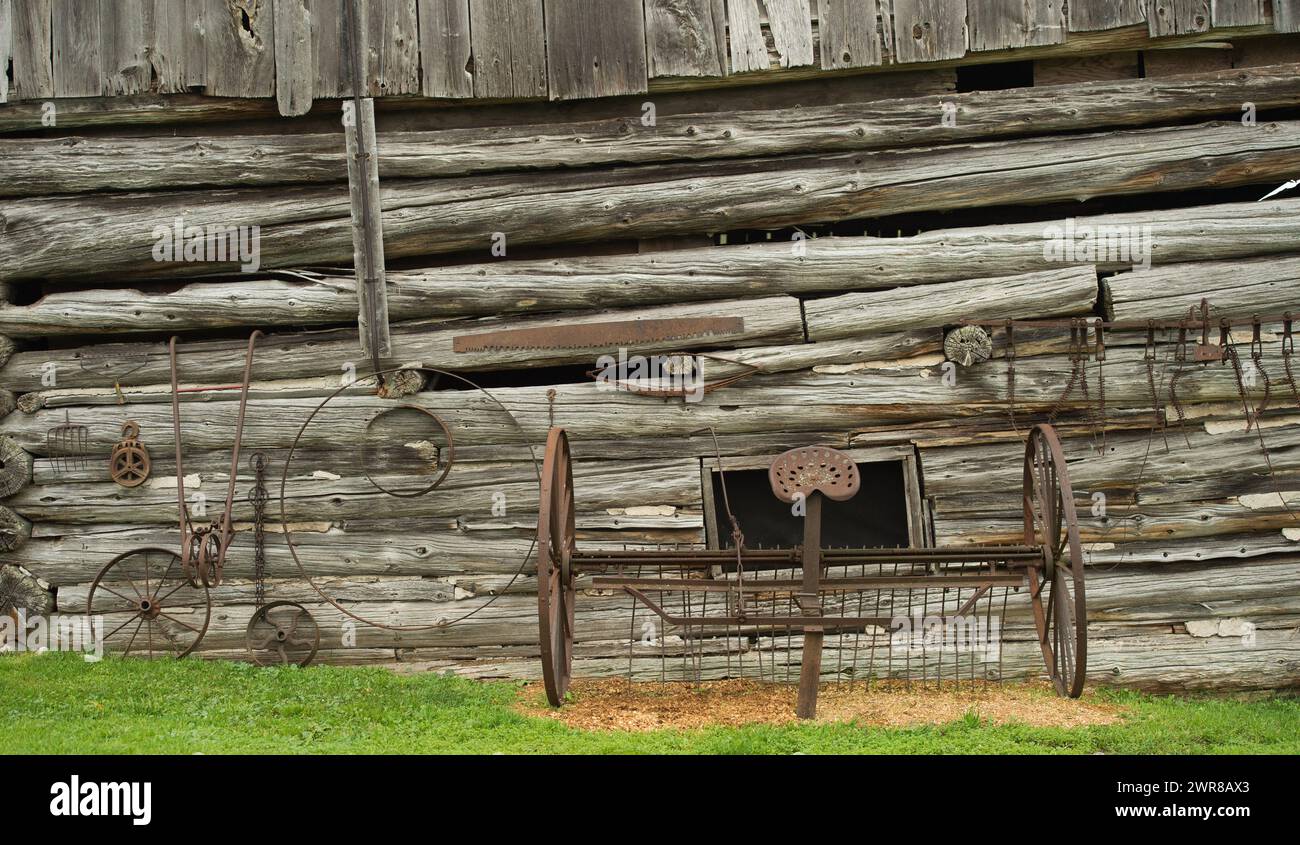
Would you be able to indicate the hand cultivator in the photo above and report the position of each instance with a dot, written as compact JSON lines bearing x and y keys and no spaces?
{"x":820,"y":592}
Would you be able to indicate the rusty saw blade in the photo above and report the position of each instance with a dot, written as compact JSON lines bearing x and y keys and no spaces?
{"x":606,"y":335}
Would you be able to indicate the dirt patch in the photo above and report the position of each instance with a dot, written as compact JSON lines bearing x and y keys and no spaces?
{"x":617,"y":705}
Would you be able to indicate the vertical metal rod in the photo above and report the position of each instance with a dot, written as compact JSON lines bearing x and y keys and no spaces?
{"x":810,"y":667}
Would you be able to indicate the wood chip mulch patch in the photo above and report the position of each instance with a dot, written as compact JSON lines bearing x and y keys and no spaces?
{"x":617,"y":705}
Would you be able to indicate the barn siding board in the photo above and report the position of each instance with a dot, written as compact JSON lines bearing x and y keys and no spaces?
{"x":167,"y":33}
{"x":329,"y":48}
{"x":748,"y":47}
{"x":595,"y":49}
{"x":849,"y":33}
{"x":1177,"y":17}
{"x":196,"y":43}
{"x":1008,"y":24}
{"x":929,"y":30}
{"x":509,"y":48}
{"x":791,"y":24}
{"x":240,"y":48}
{"x":1237,"y":12}
{"x":6,"y":46}
{"x":124,"y":46}
{"x":1286,"y":15}
{"x":393,"y":43}
{"x":1094,"y":15}
{"x":445,"y":49}
{"x":75,"y":31}
{"x":685,"y":38}
{"x":294,"y":71}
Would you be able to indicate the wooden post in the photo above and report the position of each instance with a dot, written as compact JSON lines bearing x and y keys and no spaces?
{"x":810,"y":669}
{"x":367,"y":210}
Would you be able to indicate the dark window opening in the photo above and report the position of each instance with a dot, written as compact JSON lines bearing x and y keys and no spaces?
{"x":876,"y":517}
{"x":995,"y":77}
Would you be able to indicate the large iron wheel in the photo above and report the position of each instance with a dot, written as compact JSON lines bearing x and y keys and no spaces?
{"x":147,"y":605}
{"x":555,"y":587}
{"x":1056,"y":589}
{"x":283,"y":633}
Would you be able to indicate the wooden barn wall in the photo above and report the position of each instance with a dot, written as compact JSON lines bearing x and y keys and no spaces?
{"x":606,"y":218}
{"x":291,"y":53}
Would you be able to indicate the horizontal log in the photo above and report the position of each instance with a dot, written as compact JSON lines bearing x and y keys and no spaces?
{"x":81,"y":165}
{"x":505,"y":287}
{"x":48,"y":238}
{"x":1129,"y":458}
{"x":306,"y":354}
{"x":1234,"y":289}
{"x":1067,"y":291}
{"x":470,"y":490}
{"x":762,"y":403}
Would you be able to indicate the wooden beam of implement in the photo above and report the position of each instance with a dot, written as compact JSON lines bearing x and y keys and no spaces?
{"x":367,"y":210}
{"x":603,"y":335}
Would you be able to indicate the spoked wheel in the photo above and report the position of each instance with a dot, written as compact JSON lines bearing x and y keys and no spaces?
{"x":555,"y":544}
{"x":283,"y":633}
{"x":1056,"y":585}
{"x":142,"y":604}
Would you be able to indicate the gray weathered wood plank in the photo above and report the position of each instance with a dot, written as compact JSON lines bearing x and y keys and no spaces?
{"x":1286,"y":15}
{"x":240,"y":48}
{"x":508,"y":38}
{"x":124,"y":46}
{"x":445,"y":49}
{"x":791,"y":24}
{"x":329,"y":48}
{"x":368,"y":232}
{"x":1238,"y":12}
{"x":745,"y":36}
{"x":393,"y":39}
{"x":1010,"y":24}
{"x":294,"y":71}
{"x":1177,"y":17}
{"x":196,"y":43}
{"x":6,"y":46}
{"x":75,"y":31}
{"x":167,"y":27}
{"x":595,"y":49}
{"x":929,"y":30}
{"x":686,"y":38}
{"x":1093,"y":15}
{"x":849,"y":32}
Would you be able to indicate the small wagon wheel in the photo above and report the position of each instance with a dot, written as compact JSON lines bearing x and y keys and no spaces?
{"x":142,"y":602}
{"x":555,"y":544}
{"x":1056,"y":586}
{"x":283,"y":633}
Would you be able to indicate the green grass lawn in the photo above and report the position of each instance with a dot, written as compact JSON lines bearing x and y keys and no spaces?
{"x":58,"y":703}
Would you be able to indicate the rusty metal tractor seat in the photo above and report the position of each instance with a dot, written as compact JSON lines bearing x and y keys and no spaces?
{"x":1049,"y":564}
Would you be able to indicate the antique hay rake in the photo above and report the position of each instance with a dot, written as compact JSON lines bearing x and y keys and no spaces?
{"x":818,"y":592}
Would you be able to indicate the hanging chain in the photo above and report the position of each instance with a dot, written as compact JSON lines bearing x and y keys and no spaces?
{"x":1100,"y":355}
{"x":1011,"y":377}
{"x":1180,"y":357}
{"x":258,"y":497}
{"x":1149,"y":356}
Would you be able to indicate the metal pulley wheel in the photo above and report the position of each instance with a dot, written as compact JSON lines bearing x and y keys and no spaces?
{"x":283,"y":633}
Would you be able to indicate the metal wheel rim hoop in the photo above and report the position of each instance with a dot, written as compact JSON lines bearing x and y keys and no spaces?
{"x":1058,"y":598}
{"x":149,"y":596}
{"x":555,"y":582}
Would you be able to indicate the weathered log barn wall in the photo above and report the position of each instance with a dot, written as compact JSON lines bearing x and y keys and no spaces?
{"x":647,"y":159}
